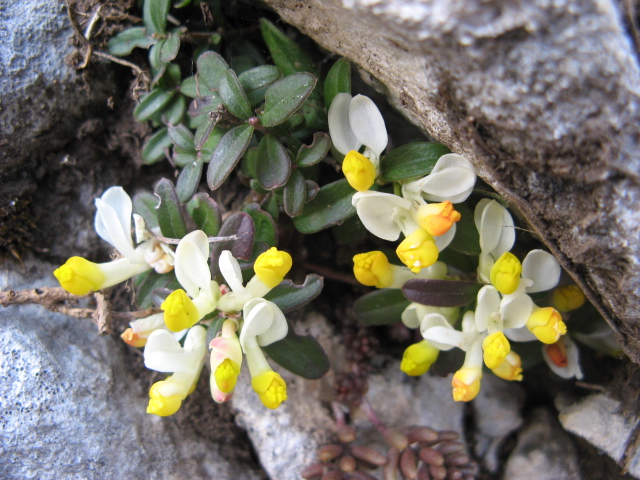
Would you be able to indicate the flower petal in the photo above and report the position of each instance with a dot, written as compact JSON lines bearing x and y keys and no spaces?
{"x":191,"y":263}
{"x":376,"y":211}
{"x":278,"y":329}
{"x":113,"y":220}
{"x":543,"y":269}
{"x":258,"y":315}
{"x":163,"y":353}
{"x":367,"y":124}
{"x":443,"y":241}
{"x":342,"y":136}
{"x":522,"y":334}
{"x":488,"y":303}
{"x":507,"y":235}
{"x":515,"y":310}
{"x":230,"y":270}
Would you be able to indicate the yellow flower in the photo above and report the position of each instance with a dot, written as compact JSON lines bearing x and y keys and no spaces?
{"x":131,"y":338}
{"x":418,"y":358}
{"x":359,"y":170}
{"x":79,"y":276}
{"x":226,"y":375}
{"x":418,"y":251}
{"x":568,"y":298}
{"x":372,"y":269}
{"x":161,"y":405}
{"x":547,"y":325}
{"x":271,"y":388}
{"x":272,"y":265}
{"x":511,"y":368}
{"x":466,"y":383}
{"x":496,"y":348}
{"x":179,"y":311}
{"x":437,"y":218}
{"x":505,"y":273}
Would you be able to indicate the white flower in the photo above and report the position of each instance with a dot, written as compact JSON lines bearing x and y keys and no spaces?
{"x":497,"y":234}
{"x":563,"y":358}
{"x":452,"y":178}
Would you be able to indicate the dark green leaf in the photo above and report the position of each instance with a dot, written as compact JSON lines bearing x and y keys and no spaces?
{"x":154,"y":150}
{"x":152,"y":103}
{"x":203,"y":105}
{"x":182,"y":158}
{"x":254,"y":82}
{"x":467,"y":239}
{"x":351,"y":232}
{"x":285,"y":53}
{"x":295,"y":194}
{"x":284,"y":97}
{"x":170,"y":217}
{"x":250,"y":162}
{"x":300,"y":354}
{"x":289,"y":296}
{"x":338,"y":80}
{"x":227,"y":154}
{"x":215,"y":327}
{"x":241,"y":225}
{"x":441,"y":293}
{"x":158,"y":67}
{"x":233,"y":96}
{"x":124,"y":42}
{"x":189,"y":87}
{"x":203,"y":133}
{"x":146,"y":283}
{"x":311,"y":154}
{"x":274,"y":166}
{"x":270,"y":205}
{"x":188,"y":181}
{"x":173,"y":113}
{"x":331,"y":206}
{"x":181,"y":3}
{"x":144,"y":204}
{"x":312,"y":189}
{"x":154,"y":14}
{"x":212,"y":142}
{"x":411,"y":161}
{"x":211,"y":67}
{"x":181,"y":137}
{"x":170,"y":48}
{"x":381,"y":307}
{"x":266,"y":230}
{"x":206,"y":213}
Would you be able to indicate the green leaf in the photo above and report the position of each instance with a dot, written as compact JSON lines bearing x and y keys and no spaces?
{"x":123,"y":43}
{"x":285,"y":53}
{"x":274,"y":166}
{"x":146,"y":283}
{"x":227,"y":154}
{"x":381,"y":307}
{"x":241,"y":225}
{"x":441,"y":293}
{"x":295,"y":194}
{"x":411,"y":161}
{"x":467,"y":239}
{"x":284,"y":97}
{"x":211,"y":67}
{"x":181,"y":137}
{"x":331,"y":206}
{"x":152,"y":103}
{"x":144,"y":204}
{"x":154,"y":14}
{"x":154,"y":150}
{"x":170,"y":217}
{"x":270,"y":205}
{"x":233,"y":96}
{"x":311,"y":154}
{"x":266,"y":230}
{"x":206,"y":213}
{"x":300,"y":354}
{"x":289,"y":296}
{"x":203,"y":133}
{"x":188,"y":181}
{"x":173,"y":113}
{"x":182,"y":158}
{"x":254,"y":82}
{"x":351,"y":232}
{"x":312,"y":189}
{"x":338,"y":80}
{"x":189,"y":87}
{"x":170,"y":48}
{"x":250,"y":163}
{"x":212,"y":142}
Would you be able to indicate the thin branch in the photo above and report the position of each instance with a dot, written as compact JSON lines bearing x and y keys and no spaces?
{"x":175,"y":241}
{"x":332,"y":274}
{"x":120,"y":61}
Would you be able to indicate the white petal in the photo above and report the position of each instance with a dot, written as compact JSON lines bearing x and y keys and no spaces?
{"x":469,"y":321}
{"x":376,"y":212}
{"x":515,"y":310}
{"x":144,"y":326}
{"x":196,"y":339}
{"x":507,"y":235}
{"x":367,"y":124}
{"x":191,"y":263}
{"x":477,"y":213}
{"x":278,"y":329}
{"x":163,"y":353}
{"x":411,"y":315}
{"x":522,"y":334}
{"x":443,"y":241}
{"x":452,"y":160}
{"x":110,"y":226}
{"x":490,"y":227}
{"x":341,"y":134}
{"x":573,"y":360}
{"x":488,"y":303}
{"x":485,"y":264}
{"x":445,"y":338}
{"x":230,"y":270}
{"x":120,"y":202}
{"x":454,"y":184}
{"x":258,"y":315}
{"x":543,"y":269}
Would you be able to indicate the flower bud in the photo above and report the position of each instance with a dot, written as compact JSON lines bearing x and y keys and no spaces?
{"x":418,"y":251}
{"x":547,"y":325}
{"x":372,"y":269}
{"x":437,"y":218}
{"x":418,"y":358}
{"x":79,"y":276}
{"x":272,"y":265}
{"x":511,"y":368}
{"x":557,"y":354}
{"x":161,"y":405}
{"x":496,"y":348}
{"x":359,"y":170}
{"x":466,"y":383}
{"x":179,"y":311}
{"x":505,"y":273}
{"x":131,"y":338}
{"x":567,"y":298}
{"x":271,"y":388}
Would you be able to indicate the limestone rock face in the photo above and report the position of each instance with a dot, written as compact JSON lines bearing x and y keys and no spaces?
{"x":542,"y":96}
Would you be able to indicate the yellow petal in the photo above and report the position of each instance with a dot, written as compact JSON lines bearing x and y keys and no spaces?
{"x":547,"y":325}
{"x":359,"y":170}
{"x":271,"y":388}
{"x":372,"y":269}
{"x":496,"y":348}
{"x":80,"y":276}
{"x":418,"y":251}
{"x":568,"y":297}
{"x":179,"y":311}
{"x":272,"y":265}
{"x":418,"y":358}
{"x":505,"y":273}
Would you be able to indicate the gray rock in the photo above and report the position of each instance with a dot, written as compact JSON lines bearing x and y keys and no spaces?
{"x":496,"y":414}
{"x":544,"y":97}
{"x":598,"y":419}
{"x":544,"y":451}
{"x":72,"y":405}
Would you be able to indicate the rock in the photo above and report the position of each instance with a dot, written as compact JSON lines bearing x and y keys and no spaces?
{"x":496,"y":414}
{"x":597,"y":419}
{"x":543,"y":97}
{"x":72,"y":405}
{"x":544,"y":451}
